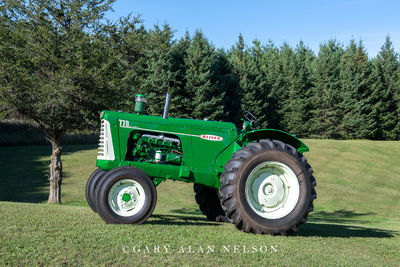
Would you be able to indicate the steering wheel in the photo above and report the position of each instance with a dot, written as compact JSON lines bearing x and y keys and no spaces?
{"x":248,"y":114}
{"x":250,"y":120}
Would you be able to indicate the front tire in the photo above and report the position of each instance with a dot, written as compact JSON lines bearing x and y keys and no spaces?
{"x":126,"y":195}
{"x":91,"y":186}
{"x":267,"y":188}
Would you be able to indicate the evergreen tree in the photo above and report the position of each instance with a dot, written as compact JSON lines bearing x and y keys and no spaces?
{"x":385,"y":90}
{"x":239,"y":62}
{"x":120,"y":64}
{"x":355,"y":70}
{"x":181,"y":100}
{"x":328,"y":94}
{"x":397,"y":100}
{"x":253,"y":99}
{"x":226,"y":82}
{"x":296,"y":106}
{"x":159,"y":77}
{"x":249,"y":67}
{"x":283,"y":75}
{"x":276,"y":80}
{"x":127,"y":43}
{"x":201,"y":64}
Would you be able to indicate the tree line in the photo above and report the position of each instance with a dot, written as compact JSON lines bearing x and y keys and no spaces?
{"x":62,"y":62}
{"x":337,"y":93}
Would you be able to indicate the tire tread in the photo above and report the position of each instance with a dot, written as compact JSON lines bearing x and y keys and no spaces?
{"x":229,"y":203}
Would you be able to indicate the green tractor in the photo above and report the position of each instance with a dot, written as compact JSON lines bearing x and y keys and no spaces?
{"x":257,"y":179}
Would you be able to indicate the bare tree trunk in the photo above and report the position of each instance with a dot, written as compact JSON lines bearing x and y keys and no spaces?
{"x":55,"y":177}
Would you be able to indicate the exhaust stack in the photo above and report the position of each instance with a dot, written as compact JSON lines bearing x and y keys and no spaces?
{"x":165,"y":114}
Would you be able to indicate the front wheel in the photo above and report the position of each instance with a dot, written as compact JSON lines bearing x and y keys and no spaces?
{"x":126,"y":195}
{"x":267,"y":187}
{"x":91,"y":186}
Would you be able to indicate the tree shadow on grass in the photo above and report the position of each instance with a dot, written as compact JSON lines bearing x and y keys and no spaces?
{"x":323,"y":224}
{"x":341,"y":216}
{"x":24,"y":171}
{"x":337,"y":230}
{"x":191,"y":211}
{"x":338,"y":224}
{"x":163,"y":219}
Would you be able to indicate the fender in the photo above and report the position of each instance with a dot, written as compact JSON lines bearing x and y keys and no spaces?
{"x":257,"y":135}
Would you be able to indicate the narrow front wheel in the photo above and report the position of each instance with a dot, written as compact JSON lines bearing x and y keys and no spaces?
{"x":91,"y":186}
{"x":126,"y":195}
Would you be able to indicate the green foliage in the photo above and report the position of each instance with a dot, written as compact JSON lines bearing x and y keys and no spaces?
{"x":225,"y":79}
{"x":160,"y":76}
{"x":238,"y":58}
{"x":328,"y":94}
{"x":124,"y":44}
{"x":180,"y":106}
{"x":201,"y":80}
{"x":385,"y":88}
{"x":355,"y":75}
{"x":255,"y":91}
{"x":61,"y":65}
{"x":53,"y":66}
{"x":296,"y":104}
{"x":50,"y":63}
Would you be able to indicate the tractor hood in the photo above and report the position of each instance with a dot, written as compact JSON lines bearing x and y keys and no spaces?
{"x":174,"y":125}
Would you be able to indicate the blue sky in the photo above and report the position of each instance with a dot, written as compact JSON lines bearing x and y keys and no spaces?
{"x":313,"y":21}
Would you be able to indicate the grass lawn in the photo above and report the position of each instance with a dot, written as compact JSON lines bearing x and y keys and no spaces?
{"x":356,"y":219}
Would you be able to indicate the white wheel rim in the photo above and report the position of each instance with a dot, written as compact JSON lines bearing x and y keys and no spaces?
{"x":272,"y":190}
{"x":126,"y":197}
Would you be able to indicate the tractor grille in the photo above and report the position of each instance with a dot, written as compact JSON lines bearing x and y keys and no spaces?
{"x":106,"y":149}
{"x":101,"y":139}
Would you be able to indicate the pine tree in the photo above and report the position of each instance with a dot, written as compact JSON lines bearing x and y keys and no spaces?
{"x":385,"y":90}
{"x":328,"y":95}
{"x":397,"y":99}
{"x":298,"y":73}
{"x":181,"y":99}
{"x":123,"y":63}
{"x":226,"y":82}
{"x":249,"y":67}
{"x":239,"y":60}
{"x":201,"y":68}
{"x":276,"y":80}
{"x":284,"y":78}
{"x":159,"y":77}
{"x":355,"y":71}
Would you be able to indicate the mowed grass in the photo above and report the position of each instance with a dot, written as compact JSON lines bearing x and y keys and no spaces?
{"x":356,"y":219}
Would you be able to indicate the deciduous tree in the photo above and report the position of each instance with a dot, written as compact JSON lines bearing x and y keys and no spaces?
{"x":51,"y":63}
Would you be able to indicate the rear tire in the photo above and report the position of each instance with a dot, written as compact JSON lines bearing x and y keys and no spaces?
{"x":91,"y":186}
{"x":209,"y":203}
{"x":126,"y":195}
{"x":267,"y":188}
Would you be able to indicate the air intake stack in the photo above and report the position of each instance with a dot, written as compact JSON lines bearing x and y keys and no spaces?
{"x":140,"y":103}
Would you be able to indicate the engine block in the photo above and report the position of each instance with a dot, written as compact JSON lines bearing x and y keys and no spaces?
{"x":151,"y":148}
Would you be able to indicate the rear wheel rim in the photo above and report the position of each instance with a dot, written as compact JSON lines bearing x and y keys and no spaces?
{"x":126,"y":197}
{"x":272,"y":190}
